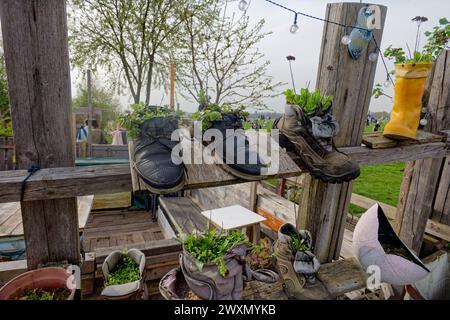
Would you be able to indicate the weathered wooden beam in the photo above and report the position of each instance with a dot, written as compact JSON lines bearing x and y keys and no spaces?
{"x":424,"y":181}
{"x":324,"y":206}
{"x":37,"y":64}
{"x":55,"y":183}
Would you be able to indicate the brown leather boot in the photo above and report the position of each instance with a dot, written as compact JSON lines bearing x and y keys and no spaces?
{"x":298,"y":286}
{"x":328,"y":166}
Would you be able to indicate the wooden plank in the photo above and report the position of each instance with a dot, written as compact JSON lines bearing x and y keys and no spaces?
{"x":183,"y":214}
{"x":56,"y":183}
{"x":11,"y":269}
{"x":416,"y":205}
{"x":342,"y":276}
{"x":37,"y":64}
{"x":11,"y":216}
{"x":324,"y":207}
{"x":376,"y":140}
{"x":441,"y":208}
{"x":112,"y":201}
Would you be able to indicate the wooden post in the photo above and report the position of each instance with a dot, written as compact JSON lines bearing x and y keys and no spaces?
{"x":37,"y":65}
{"x":425,"y":185}
{"x":324,"y":206}
{"x":89,"y":101}
{"x":172,"y":86}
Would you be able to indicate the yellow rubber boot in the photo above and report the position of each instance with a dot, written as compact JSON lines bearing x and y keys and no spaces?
{"x":409,"y":87}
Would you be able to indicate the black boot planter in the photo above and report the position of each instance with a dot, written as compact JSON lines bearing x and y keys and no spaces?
{"x":376,"y":244}
{"x":153,"y":156}
{"x":246,"y":170}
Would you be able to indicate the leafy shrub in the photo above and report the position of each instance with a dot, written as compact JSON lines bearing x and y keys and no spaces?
{"x":211,"y":247}
{"x":215,"y":112}
{"x":132,"y":120}
{"x":309,"y":102}
{"x":41,"y":294}
{"x":125,"y":271}
{"x":298,"y":243}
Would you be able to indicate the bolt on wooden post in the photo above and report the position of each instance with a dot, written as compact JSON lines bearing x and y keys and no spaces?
{"x":324,"y":207}
{"x":37,"y":64}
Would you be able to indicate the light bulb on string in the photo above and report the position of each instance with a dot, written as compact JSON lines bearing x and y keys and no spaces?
{"x":373,"y":56}
{"x":243,"y":5}
{"x":294,"y":27}
{"x":423,"y":122}
{"x":346,"y":40}
{"x":387,"y":83}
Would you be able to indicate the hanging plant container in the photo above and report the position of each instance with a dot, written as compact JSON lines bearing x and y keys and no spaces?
{"x":410,"y":81}
{"x":376,"y":244}
{"x":123,"y":273}
{"x":41,"y":284}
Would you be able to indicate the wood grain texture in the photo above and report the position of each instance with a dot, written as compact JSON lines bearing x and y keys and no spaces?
{"x":423,"y":190}
{"x":55,"y":183}
{"x":37,"y":65}
{"x":376,"y":140}
{"x":183,"y":214}
{"x":324,"y":207}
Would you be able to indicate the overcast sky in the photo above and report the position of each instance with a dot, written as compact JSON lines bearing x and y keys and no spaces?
{"x":305,"y":44}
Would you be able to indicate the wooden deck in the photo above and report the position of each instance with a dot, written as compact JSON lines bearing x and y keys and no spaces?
{"x":11,"y":217}
{"x":105,"y":229}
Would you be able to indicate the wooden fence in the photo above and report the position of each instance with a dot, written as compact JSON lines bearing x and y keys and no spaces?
{"x":7,"y":158}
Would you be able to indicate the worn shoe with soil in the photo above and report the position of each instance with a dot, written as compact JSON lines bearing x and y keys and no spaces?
{"x":329,"y":166}
{"x":250,"y":168}
{"x":153,"y":156}
{"x":298,"y":271}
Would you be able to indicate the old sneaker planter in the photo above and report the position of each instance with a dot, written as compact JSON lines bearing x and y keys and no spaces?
{"x":126,"y":291}
{"x":45,"y":278}
{"x":409,"y":87}
{"x":376,"y":244}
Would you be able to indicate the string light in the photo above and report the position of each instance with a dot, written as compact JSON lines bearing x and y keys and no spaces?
{"x":346,"y":40}
{"x":243,"y":5}
{"x":447,"y":46}
{"x":294,"y":27}
{"x":373,"y":56}
{"x":388,"y":80}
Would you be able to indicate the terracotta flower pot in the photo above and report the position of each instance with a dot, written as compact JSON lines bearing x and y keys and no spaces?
{"x":45,"y":278}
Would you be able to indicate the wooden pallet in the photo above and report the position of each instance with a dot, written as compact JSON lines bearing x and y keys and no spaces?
{"x":376,"y":140}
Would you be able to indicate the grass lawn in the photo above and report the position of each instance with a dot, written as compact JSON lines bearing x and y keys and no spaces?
{"x":381,"y":183}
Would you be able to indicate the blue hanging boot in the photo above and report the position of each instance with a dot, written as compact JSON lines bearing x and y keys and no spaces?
{"x":360,"y":38}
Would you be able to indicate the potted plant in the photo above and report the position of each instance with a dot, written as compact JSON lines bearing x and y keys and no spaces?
{"x":411,"y":73}
{"x":315,"y":114}
{"x":260,"y":262}
{"x":123,"y":274}
{"x":376,"y":244}
{"x":212,"y":264}
{"x":51,"y":283}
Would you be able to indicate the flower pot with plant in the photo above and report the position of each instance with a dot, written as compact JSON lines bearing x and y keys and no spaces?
{"x":151,"y":129}
{"x":228,"y":120}
{"x":411,"y":73}
{"x":307,"y":129}
{"x":123,"y":273}
{"x":41,"y":284}
{"x":297,"y":264}
{"x":212,"y":264}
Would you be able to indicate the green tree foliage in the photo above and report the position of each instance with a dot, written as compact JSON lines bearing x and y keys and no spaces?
{"x":5,"y":113}
{"x":220,"y":57}
{"x":126,"y":38}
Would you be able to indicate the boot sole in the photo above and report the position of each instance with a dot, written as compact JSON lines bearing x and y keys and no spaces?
{"x":314,"y":172}
{"x":154,"y":190}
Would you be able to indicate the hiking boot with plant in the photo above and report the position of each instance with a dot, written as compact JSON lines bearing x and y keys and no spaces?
{"x":297,"y":265}
{"x":224,"y":118}
{"x":308,"y":130}
{"x":152,"y":129}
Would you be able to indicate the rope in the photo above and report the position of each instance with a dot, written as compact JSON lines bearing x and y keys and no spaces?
{"x":31,"y":170}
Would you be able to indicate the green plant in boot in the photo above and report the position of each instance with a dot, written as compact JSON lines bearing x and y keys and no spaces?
{"x":309,"y":102}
